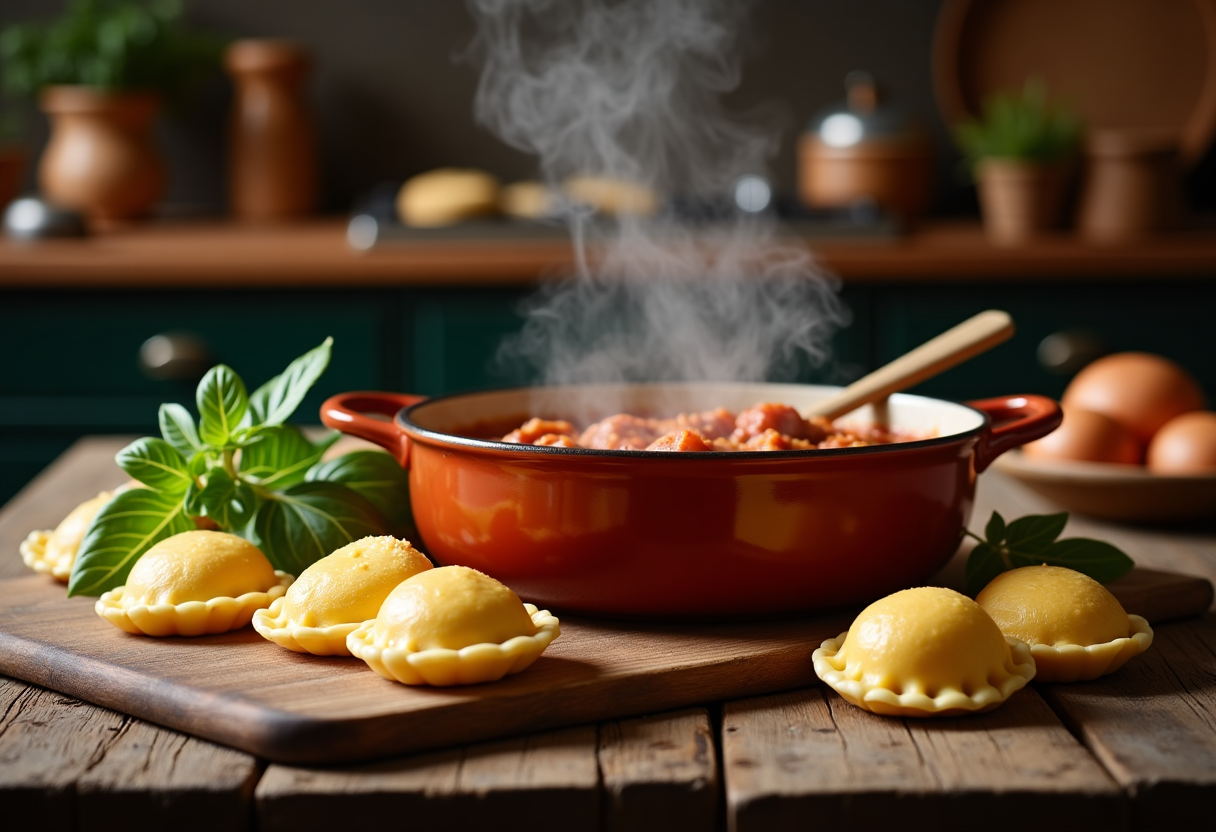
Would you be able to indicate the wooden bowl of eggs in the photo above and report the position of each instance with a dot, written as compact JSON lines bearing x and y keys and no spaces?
{"x":1136,"y":444}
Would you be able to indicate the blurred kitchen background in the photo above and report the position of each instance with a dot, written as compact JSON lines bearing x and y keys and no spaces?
{"x":391,"y":97}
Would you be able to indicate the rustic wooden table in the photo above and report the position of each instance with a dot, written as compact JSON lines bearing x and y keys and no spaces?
{"x":1134,"y":751}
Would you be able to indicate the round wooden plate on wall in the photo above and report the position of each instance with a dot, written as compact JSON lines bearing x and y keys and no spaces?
{"x":1119,"y":63}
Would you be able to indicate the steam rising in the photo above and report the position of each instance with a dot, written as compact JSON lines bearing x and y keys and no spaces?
{"x":631,"y":89}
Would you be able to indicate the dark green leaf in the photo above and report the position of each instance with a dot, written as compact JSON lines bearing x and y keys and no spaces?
{"x":198,"y":464}
{"x":222,"y":402}
{"x":275,"y":401}
{"x":193,"y":501}
{"x":156,"y":464}
{"x":177,"y":427}
{"x":1095,"y":558}
{"x":983,"y":564}
{"x":1034,"y":532}
{"x":299,"y":526}
{"x":228,"y":502}
{"x":124,"y":529}
{"x":281,"y":457}
{"x":994,"y":532}
{"x":378,"y":477}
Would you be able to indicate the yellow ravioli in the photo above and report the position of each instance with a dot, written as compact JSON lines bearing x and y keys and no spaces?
{"x":336,"y":594}
{"x":452,"y":626}
{"x":53,"y":552}
{"x":924,"y":652}
{"x":192,"y":584}
{"x":1075,"y":628}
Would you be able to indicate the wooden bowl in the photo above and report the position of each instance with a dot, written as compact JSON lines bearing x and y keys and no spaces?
{"x":1115,"y":492}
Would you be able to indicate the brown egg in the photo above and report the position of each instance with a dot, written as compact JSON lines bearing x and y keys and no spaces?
{"x":1186,"y":444}
{"x":1086,"y":436}
{"x":1138,"y":390}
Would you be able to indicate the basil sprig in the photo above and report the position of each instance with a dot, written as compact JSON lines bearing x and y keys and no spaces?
{"x":244,"y":469}
{"x":1031,"y":541}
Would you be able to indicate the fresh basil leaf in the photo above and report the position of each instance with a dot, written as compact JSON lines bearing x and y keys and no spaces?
{"x":222,"y":402}
{"x":193,"y":501}
{"x":156,"y":464}
{"x":124,"y":529}
{"x":1033,"y":533}
{"x":177,"y":427}
{"x":983,"y":564}
{"x":994,"y":532}
{"x":281,"y":457}
{"x":378,"y":477}
{"x":297,"y":527}
{"x":1095,"y":558}
{"x":275,"y":401}
{"x":198,"y":464}
{"x":229,"y":502}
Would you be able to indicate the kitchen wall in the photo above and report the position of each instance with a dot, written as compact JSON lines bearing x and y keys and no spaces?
{"x":393,"y":97}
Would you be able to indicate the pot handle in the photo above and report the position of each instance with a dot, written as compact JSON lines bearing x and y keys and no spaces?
{"x":1017,"y":420}
{"x":345,"y":413}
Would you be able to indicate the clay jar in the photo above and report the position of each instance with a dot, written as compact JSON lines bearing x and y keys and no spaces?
{"x":1020,"y":200}
{"x":101,"y":158}
{"x":867,"y":151}
{"x":272,"y":153}
{"x":1131,"y":185}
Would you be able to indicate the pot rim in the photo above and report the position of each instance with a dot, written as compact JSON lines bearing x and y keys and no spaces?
{"x":416,"y":432}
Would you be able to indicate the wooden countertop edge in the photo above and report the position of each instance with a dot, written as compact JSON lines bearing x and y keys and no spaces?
{"x":314,"y":254}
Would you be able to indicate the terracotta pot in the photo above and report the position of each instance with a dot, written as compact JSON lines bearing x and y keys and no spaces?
{"x":1020,"y":200}
{"x":1131,"y":185}
{"x":101,"y":158}
{"x":688,"y":535}
{"x":898,"y":176}
{"x":272,"y":153}
{"x":12,"y":163}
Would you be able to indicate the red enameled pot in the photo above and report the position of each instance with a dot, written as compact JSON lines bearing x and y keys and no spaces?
{"x":647,"y":534}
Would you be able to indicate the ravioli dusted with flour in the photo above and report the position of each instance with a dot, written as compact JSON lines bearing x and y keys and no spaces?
{"x":452,"y":626}
{"x":54,"y":552}
{"x":924,"y":652}
{"x":1075,"y":628}
{"x":331,"y":598}
{"x":193,"y":584}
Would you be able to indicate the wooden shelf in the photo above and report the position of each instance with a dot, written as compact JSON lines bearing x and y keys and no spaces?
{"x":315,"y":254}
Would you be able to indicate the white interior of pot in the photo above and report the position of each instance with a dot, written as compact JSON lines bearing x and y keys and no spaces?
{"x":583,"y":404}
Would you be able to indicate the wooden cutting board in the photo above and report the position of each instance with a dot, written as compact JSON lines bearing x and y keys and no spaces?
{"x":240,"y":690}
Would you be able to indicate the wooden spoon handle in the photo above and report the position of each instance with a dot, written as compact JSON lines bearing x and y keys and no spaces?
{"x":954,"y":346}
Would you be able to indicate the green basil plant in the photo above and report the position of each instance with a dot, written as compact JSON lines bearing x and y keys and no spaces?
{"x":245,"y":470}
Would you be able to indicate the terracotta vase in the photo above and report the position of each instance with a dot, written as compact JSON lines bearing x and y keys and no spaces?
{"x":1132,"y":186}
{"x":1020,"y":200}
{"x":272,"y":158}
{"x":101,"y":158}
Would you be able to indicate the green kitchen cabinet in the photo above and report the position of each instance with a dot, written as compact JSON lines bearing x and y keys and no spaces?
{"x":69,"y":360}
{"x":1171,"y":318}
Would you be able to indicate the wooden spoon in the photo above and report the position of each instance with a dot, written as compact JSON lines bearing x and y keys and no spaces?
{"x":954,"y":346}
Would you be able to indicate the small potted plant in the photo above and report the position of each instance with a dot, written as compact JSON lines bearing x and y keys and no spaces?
{"x":101,"y":73}
{"x":1020,"y":152}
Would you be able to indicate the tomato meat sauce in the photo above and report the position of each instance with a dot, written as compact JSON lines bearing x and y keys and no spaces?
{"x":766,"y":426}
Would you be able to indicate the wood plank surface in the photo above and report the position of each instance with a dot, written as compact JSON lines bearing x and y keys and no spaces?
{"x":1153,"y":726}
{"x":545,"y":781}
{"x":240,"y":690}
{"x":65,"y":764}
{"x":809,"y":758}
{"x":314,"y":253}
{"x":660,"y":773}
